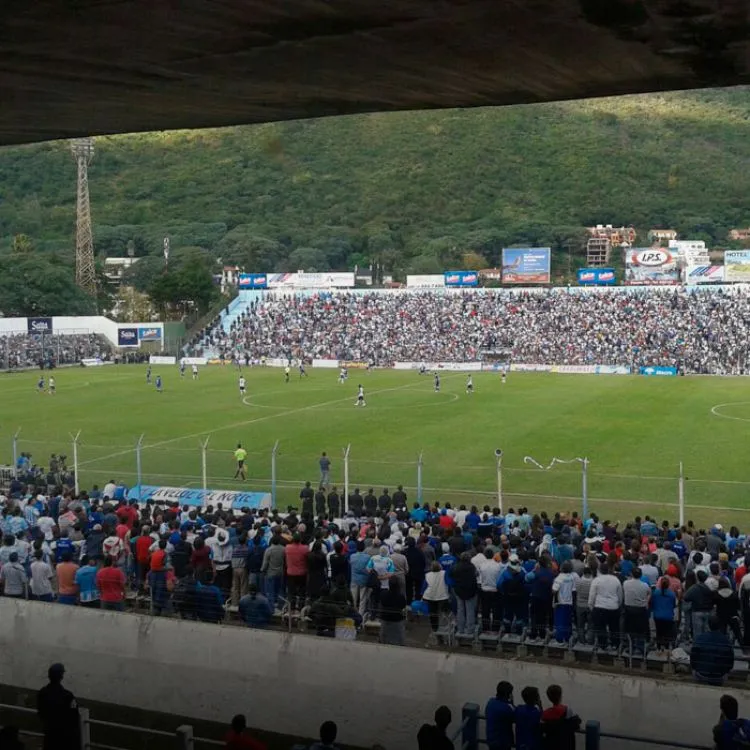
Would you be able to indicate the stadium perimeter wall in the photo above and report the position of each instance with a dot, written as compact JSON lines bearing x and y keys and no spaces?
{"x":373,"y":692}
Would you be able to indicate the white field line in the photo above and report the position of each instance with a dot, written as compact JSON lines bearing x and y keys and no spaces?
{"x":204,"y":433}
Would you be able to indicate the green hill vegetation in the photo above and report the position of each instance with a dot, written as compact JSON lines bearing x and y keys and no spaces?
{"x":414,"y":191}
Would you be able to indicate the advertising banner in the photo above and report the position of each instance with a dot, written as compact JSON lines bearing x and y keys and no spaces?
{"x":39,"y":325}
{"x":526,"y":265}
{"x":154,"y":359}
{"x":425,"y":281}
{"x":192,"y":361}
{"x":300,"y":280}
{"x":149,"y":334}
{"x":523,"y":367}
{"x":737,"y":265}
{"x":352,"y":364}
{"x":651,"y":266}
{"x":329,"y":364}
{"x":200,"y":498}
{"x":461,"y":278}
{"x":657,"y":370}
{"x":253,"y":281}
{"x":127,"y":337}
{"x":495,"y":366}
{"x":94,"y":362}
{"x":704,"y":275}
{"x":596,"y":276}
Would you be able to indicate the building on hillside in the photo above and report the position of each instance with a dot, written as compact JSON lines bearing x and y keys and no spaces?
{"x":114,"y":268}
{"x":597,"y":252}
{"x":661,"y":235}
{"x":491,"y":274}
{"x":618,"y":236}
{"x":230,"y":278}
{"x":739,"y":234}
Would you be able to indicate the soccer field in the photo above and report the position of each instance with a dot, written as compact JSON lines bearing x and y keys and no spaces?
{"x":634,"y":430}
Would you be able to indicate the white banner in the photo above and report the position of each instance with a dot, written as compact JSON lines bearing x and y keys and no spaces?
{"x":329,"y":364}
{"x":446,"y":366}
{"x":301,"y":280}
{"x":425,"y":281}
{"x":191,"y":360}
{"x":95,"y":362}
{"x":521,"y":367}
{"x":573,"y":369}
{"x":155,"y":359}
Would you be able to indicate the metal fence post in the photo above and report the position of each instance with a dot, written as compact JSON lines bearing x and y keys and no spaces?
{"x":681,"y":495}
{"x":185,"y":739}
{"x":470,"y":734}
{"x":204,"y":462}
{"x":593,"y":735}
{"x":85,"y":728}
{"x":346,"y":478}
{"x":499,"y":468}
{"x":75,"y":461}
{"x":138,"y":472}
{"x":420,"y":464}
{"x":15,"y":453}
{"x":585,"y":487}
{"x":273,"y":473}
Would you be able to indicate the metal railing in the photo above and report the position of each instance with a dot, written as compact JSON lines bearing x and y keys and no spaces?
{"x":468,"y":732}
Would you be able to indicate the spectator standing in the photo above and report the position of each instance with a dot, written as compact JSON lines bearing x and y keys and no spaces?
{"x":239,"y":569}
{"x":382,"y":566}
{"x":433,"y":736}
{"x":13,"y":578}
{"x":254,"y":608}
{"x":436,"y":595}
{"x":528,"y":718}
{"x":500,"y":715}
{"x":67,"y":590}
{"x":110,"y":581}
{"x":605,"y":601}
{"x":392,"y":615}
{"x":296,"y":570}
{"x":401,"y":565}
{"x":489,"y":573}
{"x":663,"y":605}
{"x":86,"y":582}
{"x":41,"y":579}
{"x":559,"y":723}
{"x":325,"y":469}
{"x":701,"y":601}
{"x":637,"y":597}
{"x":238,"y":737}
{"x":360,"y":591}
{"x":464,"y":577}
{"x":58,"y":713}
{"x":564,"y":588}
{"x":541,"y":597}
{"x":273,"y":570}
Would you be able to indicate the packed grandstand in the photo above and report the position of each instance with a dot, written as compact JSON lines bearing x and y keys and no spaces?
{"x":696,"y":331}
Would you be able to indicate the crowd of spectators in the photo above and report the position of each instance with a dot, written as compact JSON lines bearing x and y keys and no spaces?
{"x":633,"y":588}
{"x":22,"y":350}
{"x":705,"y":331}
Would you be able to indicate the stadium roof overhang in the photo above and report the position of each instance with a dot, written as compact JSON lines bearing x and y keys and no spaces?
{"x":77,"y":67}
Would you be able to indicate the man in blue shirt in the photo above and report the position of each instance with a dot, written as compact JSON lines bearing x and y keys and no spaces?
{"x":473,"y":519}
{"x":86,"y":581}
{"x":500,"y":715}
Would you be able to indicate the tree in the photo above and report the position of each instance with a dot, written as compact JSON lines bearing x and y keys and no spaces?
{"x":22,"y":244}
{"x":473,"y":261}
{"x":142,"y":274}
{"x":41,"y":285}
{"x":310,"y":259}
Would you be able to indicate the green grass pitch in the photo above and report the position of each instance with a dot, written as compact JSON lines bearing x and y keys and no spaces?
{"x":635,"y":431}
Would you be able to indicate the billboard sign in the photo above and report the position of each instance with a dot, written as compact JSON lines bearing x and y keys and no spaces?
{"x":596,"y":276}
{"x":149,"y":334}
{"x":704,"y":275}
{"x":657,"y":370}
{"x":425,"y":280}
{"x":39,"y":325}
{"x":461,"y":278}
{"x":197,"y":498}
{"x":652,"y":266}
{"x":301,"y":280}
{"x":526,"y":265}
{"x":737,"y":265}
{"x":253,"y":281}
{"x":127,"y":337}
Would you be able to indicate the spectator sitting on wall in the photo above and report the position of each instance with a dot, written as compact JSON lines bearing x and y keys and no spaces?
{"x":433,"y":736}
{"x":559,"y":723}
{"x":58,"y":713}
{"x":712,"y":655}
{"x":255,"y":609}
{"x":238,"y":738}
{"x":328,"y":732}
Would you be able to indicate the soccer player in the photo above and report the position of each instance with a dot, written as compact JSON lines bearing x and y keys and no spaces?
{"x":242,"y":385}
{"x":195,"y":372}
{"x":437,"y":383}
{"x":52,"y":386}
{"x":40,"y":384}
{"x":422,"y":369}
{"x":148,"y":375}
{"x":302,"y":372}
{"x":286,"y":374}
{"x":469,"y":384}
{"x":158,"y":384}
{"x":360,"y":396}
{"x":182,"y":369}
{"x":342,"y":376}
{"x":502,"y":377}
{"x":240,"y":455}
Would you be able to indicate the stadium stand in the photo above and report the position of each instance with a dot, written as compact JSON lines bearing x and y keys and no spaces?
{"x":18,"y":351}
{"x":698,"y":331}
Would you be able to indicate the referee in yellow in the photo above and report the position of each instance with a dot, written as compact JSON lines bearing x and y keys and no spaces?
{"x":240,"y":455}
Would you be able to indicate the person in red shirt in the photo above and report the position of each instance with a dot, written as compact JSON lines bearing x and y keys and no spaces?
{"x":446,"y":522}
{"x":127,"y":514}
{"x":122,"y":530}
{"x":238,"y":739}
{"x":296,"y":571}
{"x":110,"y":581}
{"x":159,"y":558}
{"x":200,"y":560}
{"x":142,"y":545}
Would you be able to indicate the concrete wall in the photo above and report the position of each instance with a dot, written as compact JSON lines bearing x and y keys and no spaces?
{"x":67,"y":324}
{"x":374,"y":693}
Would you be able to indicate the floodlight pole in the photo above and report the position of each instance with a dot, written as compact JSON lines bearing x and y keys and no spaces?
{"x":585,"y":487}
{"x":138,"y":476}
{"x":274,"y":453}
{"x":499,"y":471}
{"x":15,"y":453}
{"x":420,"y":465}
{"x":346,"y":478}
{"x":75,"y":461}
{"x":204,"y":462}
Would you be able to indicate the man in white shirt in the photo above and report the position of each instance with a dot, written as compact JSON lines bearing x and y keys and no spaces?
{"x":605,"y":600}
{"x":489,"y":572}
{"x":109,"y":489}
{"x":478,"y":560}
{"x":636,"y":597}
{"x":41,"y":579}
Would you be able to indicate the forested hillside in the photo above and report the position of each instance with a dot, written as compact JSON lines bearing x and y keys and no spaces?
{"x":415,"y":190}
